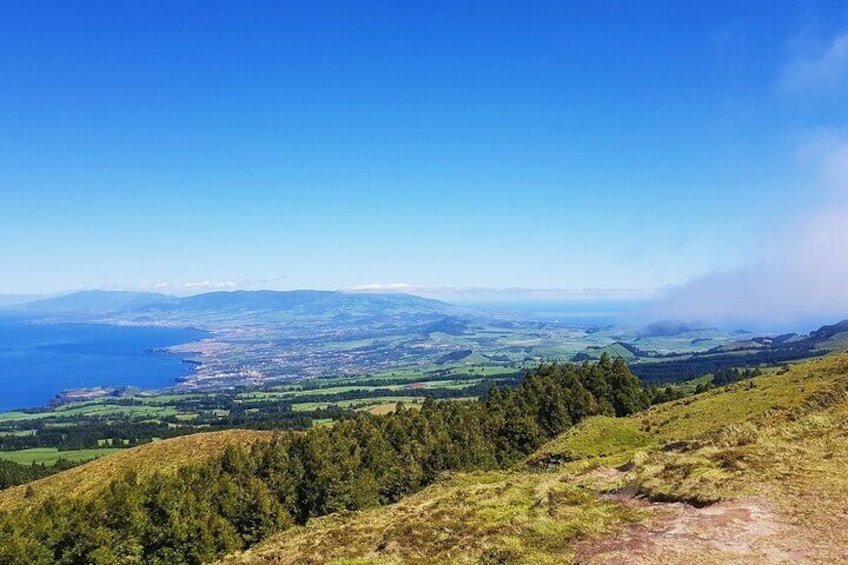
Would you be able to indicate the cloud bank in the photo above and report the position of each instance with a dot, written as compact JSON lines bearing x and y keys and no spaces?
{"x":801,"y":276}
{"x":198,"y":287}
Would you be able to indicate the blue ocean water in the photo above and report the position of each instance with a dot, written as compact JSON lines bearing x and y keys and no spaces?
{"x":37,"y":361}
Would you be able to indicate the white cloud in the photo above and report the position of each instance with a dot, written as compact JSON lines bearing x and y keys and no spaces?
{"x":802,"y":272}
{"x":197,"y":287}
{"x":825,"y":67}
{"x":186,"y":288}
{"x":389,"y":287}
{"x":203,"y":285}
{"x":827,"y":152}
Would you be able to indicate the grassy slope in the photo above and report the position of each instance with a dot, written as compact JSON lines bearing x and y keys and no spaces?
{"x":780,"y":437}
{"x":163,"y":456}
{"x":838,"y":342}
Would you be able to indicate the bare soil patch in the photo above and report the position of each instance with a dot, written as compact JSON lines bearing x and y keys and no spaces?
{"x":748,"y":530}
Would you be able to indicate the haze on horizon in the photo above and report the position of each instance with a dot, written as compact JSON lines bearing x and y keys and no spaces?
{"x":694,"y":155}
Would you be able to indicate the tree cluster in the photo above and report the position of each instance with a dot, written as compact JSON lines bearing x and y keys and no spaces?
{"x":12,"y":474}
{"x":239,"y":498}
{"x":724,"y":377}
{"x":699,"y":364}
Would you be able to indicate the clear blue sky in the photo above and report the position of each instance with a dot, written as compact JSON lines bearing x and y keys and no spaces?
{"x":327,"y":144}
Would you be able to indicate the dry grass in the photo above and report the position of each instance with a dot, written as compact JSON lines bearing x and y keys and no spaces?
{"x":163,"y":456}
{"x":780,"y":441}
{"x":795,"y":468}
{"x":467,"y":518}
{"x":806,"y":386}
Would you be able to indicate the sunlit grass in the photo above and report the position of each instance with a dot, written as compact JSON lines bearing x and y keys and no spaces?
{"x":781,"y":436}
{"x":161,"y":456}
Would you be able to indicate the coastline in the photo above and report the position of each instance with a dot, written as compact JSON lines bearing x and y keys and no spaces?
{"x":45,"y":364}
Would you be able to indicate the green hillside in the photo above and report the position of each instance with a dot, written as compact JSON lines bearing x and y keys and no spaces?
{"x":751,"y":473}
{"x":158,"y":457}
{"x":545,"y":473}
{"x":118,"y":511}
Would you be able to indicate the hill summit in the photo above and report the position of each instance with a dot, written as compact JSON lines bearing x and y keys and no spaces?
{"x":228,"y":307}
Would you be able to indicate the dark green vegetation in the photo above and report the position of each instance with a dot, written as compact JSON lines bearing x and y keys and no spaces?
{"x":129,"y":418}
{"x":163,"y":457}
{"x":12,"y":473}
{"x":724,"y":377}
{"x":26,"y":465}
{"x":245,"y":494}
{"x":126,"y":422}
{"x":678,"y":368}
{"x":53,"y":456}
{"x":673,"y":352}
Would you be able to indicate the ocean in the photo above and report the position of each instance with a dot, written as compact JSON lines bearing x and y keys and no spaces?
{"x":37,"y":361}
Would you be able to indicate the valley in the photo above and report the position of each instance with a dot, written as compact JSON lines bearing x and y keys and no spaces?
{"x":265,"y":337}
{"x":423,"y":283}
{"x":294,"y":360}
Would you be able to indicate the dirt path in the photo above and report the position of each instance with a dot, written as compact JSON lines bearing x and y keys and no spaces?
{"x":747,"y":530}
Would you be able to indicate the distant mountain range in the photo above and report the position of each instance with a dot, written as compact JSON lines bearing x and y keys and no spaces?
{"x":260,"y":336}
{"x":215,"y":308}
{"x":95,"y":302}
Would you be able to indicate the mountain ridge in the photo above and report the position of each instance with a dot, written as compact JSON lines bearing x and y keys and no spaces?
{"x":224,"y":306}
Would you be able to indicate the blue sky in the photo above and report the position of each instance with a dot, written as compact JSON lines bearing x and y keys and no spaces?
{"x":553,"y":145}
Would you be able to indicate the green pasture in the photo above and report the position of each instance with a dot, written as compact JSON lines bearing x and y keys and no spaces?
{"x":49,"y":455}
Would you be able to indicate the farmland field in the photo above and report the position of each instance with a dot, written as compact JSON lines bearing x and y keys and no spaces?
{"x":81,"y":429}
{"x":49,"y":455}
{"x":84,"y":429}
